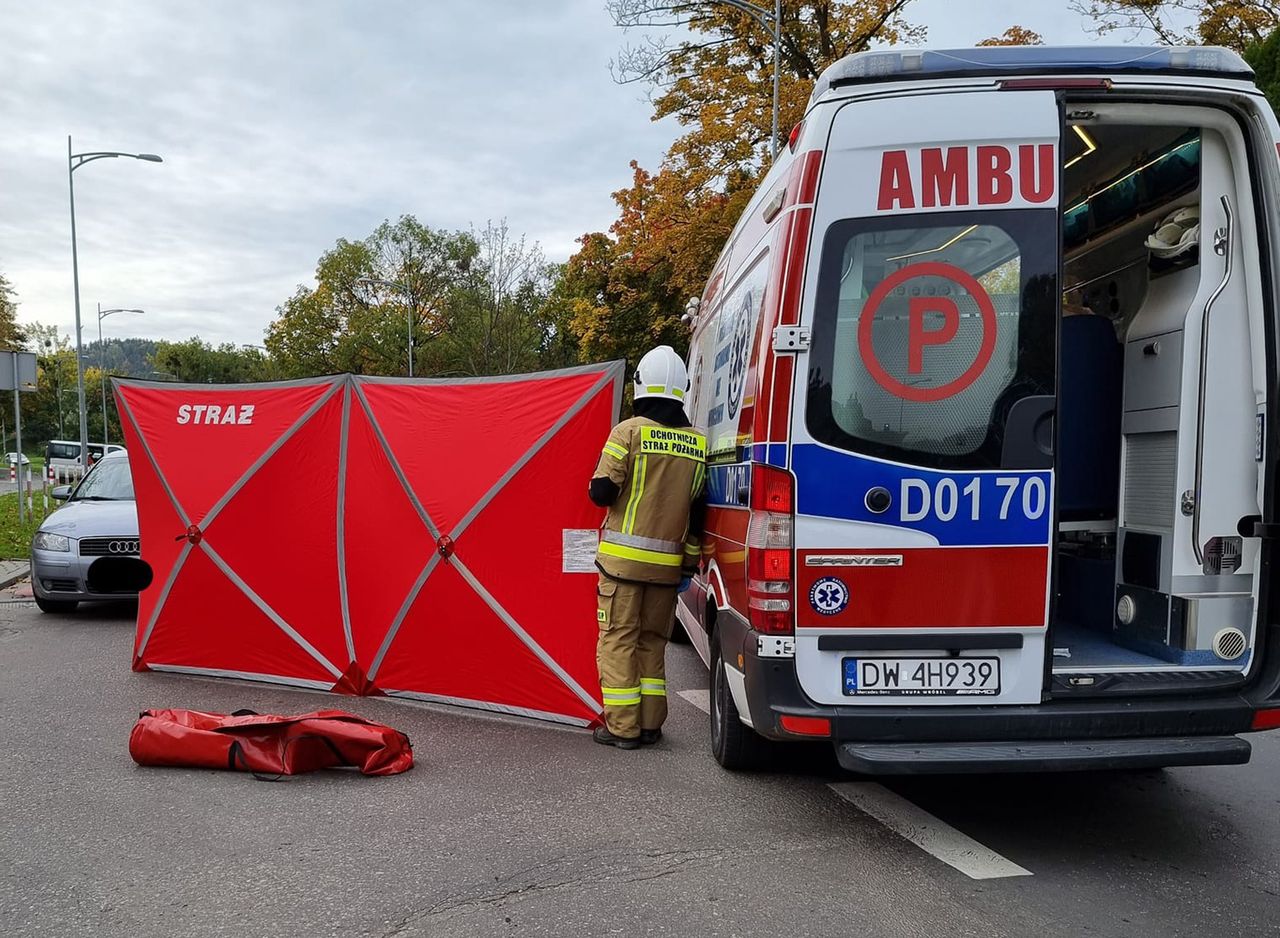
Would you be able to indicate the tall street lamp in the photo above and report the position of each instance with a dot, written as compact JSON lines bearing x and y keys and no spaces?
{"x":768,"y":20}
{"x":408,"y":295}
{"x":102,"y":364}
{"x":74,"y":162}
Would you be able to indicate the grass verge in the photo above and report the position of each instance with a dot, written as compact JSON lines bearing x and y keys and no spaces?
{"x":15,"y":538}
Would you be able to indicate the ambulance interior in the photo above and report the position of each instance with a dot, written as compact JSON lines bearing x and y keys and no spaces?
{"x":1137,"y":272}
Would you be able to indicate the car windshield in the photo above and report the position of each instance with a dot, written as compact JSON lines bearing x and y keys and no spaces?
{"x":108,"y":481}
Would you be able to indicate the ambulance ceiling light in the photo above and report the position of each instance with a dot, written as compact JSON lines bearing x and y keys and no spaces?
{"x":942,"y":247}
{"x":1089,"y":144}
{"x":1133,"y":172}
{"x":907,"y":64}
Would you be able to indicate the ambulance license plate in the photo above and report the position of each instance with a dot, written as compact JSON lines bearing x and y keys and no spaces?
{"x":921,"y":677}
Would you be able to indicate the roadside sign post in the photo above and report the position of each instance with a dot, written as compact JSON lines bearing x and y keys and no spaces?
{"x":17,"y":443}
{"x":18,"y":374}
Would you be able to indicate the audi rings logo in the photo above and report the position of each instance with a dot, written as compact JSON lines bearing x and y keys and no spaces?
{"x":123,"y":547}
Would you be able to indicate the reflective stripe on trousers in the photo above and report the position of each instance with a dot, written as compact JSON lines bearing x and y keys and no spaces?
{"x":636,"y":620}
{"x":621,"y":696}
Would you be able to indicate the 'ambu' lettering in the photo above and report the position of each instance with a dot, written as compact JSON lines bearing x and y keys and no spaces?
{"x":962,"y":176}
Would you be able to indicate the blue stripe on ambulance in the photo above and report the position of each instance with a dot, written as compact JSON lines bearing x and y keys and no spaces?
{"x":960,"y":509}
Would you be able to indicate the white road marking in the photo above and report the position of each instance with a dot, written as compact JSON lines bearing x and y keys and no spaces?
{"x":927,"y":832}
{"x":700,"y":698}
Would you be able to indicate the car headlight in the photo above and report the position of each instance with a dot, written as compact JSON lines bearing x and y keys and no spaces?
{"x":46,"y":541}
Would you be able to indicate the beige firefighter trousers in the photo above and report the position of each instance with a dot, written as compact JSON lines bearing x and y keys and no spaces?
{"x":635,"y":622}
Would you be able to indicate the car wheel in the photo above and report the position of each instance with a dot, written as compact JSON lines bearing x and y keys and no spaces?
{"x":735,"y":745}
{"x":56,"y":605}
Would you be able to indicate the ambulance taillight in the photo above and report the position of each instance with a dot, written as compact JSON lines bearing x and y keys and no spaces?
{"x":770,"y":549}
{"x":794,"y":138}
{"x":1266,"y":719}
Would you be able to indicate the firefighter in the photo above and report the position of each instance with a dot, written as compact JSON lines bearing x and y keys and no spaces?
{"x":651,"y":478}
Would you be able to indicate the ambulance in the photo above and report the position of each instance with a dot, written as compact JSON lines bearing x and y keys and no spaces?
{"x":988,"y":369}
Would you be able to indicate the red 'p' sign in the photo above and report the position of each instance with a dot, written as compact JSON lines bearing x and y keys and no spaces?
{"x":918,"y":336}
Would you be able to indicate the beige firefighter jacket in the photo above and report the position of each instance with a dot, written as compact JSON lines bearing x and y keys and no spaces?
{"x":659,"y":471}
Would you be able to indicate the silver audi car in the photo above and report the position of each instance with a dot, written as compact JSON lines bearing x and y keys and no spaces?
{"x":87,"y":550}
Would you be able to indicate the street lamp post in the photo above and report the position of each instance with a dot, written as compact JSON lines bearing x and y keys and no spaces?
{"x":767,"y":19}
{"x":102,"y":364}
{"x":408,"y":294}
{"x":74,"y":162}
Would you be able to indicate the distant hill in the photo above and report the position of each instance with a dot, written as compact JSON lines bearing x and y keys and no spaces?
{"x":129,"y":357}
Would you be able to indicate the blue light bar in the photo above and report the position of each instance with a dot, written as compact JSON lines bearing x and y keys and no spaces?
{"x":1000,"y":61}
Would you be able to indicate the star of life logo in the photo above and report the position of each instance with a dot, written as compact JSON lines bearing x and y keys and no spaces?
{"x":829,"y":596}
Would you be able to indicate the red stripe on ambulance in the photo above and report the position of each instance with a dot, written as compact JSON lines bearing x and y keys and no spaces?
{"x":958,"y":177}
{"x":907,"y":594}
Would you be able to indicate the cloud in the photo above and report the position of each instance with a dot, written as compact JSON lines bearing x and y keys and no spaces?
{"x":285,"y":126}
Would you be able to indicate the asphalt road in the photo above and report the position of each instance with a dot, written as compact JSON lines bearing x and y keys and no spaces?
{"x":513,"y":828}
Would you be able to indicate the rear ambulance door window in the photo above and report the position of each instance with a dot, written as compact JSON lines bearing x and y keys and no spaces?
{"x":929,"y":329}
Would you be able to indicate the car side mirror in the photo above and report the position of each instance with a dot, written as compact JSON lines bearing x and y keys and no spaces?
{"x":60,"y":493}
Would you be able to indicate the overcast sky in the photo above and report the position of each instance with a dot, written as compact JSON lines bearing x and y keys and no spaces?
{"x":287,"y":124}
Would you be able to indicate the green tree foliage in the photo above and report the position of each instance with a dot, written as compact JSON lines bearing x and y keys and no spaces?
{"x":11,"y":335}
{"x":1264,"y":59}
{"x":346,"y":323}
{"x":51,"y":411}
{"x":133,"y":358}
{"x":197,"y":361}
{"x":476,"y":300}
{"x":495,"y":318}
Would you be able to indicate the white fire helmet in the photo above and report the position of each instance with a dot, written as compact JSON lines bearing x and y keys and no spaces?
{"x":661,"y":373}
{"x":1177,"y":233}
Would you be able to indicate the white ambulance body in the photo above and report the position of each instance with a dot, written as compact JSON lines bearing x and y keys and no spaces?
{"x":991,"y":418}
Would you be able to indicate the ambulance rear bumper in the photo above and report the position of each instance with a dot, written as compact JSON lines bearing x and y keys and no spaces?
{"x":1044,"y":755}
{"x":1064,"y":734}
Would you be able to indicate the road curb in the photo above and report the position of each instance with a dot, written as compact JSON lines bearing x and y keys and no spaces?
{"x":8,"y":581}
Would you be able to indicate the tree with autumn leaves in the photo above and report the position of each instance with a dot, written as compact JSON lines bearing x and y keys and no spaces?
{"x":1250,"y":27}
{"x":625,"y":290}
{"x":1237,"y":24}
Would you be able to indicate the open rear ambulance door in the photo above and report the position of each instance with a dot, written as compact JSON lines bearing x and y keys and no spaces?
{"x":923,"y":442}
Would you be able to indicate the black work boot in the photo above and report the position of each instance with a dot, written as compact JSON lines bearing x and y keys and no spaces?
{"x":649,"y":737}
{"x":605,"y":738}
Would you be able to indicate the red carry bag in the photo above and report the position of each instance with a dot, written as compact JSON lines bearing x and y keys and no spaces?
{"x":268,"y":743}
